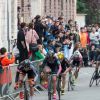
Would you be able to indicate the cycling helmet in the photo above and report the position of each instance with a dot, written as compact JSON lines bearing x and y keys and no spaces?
{"x":58,"y":45}
{"x":50,"y":53}
{"x":60,"y":55}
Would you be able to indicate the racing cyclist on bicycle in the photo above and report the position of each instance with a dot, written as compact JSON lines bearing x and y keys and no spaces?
{"x":52,"y":64}
{"x":65,"y":68}
{"x":97,"y":63}
{"x":76,"y":59}
{"x":26,"y":67}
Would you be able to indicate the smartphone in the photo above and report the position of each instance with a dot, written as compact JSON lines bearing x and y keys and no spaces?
{"x":10,"y":55}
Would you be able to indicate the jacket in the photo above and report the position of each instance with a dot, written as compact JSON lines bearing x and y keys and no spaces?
{"x":5,"y":76}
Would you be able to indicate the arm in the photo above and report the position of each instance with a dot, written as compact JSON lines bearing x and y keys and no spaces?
{"x":35,"y":72}
{"x":60,"y":68}
{"x":5,"y":62}
{"x":36,"y":35}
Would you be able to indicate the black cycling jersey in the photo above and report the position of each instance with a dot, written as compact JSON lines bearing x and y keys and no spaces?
{"x":26,"y":67}
{"x":64,"y":65}
{"x":53,"y":64}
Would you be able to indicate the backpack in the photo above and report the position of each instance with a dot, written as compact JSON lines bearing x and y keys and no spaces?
{"x":1,"y":69}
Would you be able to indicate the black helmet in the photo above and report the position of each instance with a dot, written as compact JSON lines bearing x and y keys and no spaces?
{"x":58,"y":45}
{"x":50,"y":53}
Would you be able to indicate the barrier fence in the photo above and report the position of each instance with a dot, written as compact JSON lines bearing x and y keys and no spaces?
{"x":7,"y":89}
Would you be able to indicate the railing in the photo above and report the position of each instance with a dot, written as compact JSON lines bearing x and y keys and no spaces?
{"x":8,"y":90}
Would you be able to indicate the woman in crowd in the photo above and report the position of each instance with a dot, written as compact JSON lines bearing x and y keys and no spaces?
{"x":5,"y":73}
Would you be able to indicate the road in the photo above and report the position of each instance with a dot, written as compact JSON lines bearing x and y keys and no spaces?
{"x":82,"y":90}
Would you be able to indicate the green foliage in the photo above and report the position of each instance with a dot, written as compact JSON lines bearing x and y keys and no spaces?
{"x":91,"y":8}
{"x":81,"y":6}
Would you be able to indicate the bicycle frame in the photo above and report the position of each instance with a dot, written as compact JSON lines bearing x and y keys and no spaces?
{"x":50,"y":86}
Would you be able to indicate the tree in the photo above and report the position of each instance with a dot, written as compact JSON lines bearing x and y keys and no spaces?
{"x":91,"y":8}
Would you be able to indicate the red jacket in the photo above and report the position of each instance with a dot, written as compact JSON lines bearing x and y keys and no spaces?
{"x":6,"y":75}
{"x":5,"y":61}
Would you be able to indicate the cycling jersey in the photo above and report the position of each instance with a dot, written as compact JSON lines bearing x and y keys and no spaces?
{"x":53,"y":64}
{"x":98,"y":58}
{"x":64,"y":65}
{"x":77,"y":56}
{"x":26,"y":67}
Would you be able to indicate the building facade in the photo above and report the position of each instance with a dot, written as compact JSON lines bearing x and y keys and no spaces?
{"x":8,"y":22}
{"x":65,"y":8}
{"x":30,"y":8}
{"x":24,"y":10}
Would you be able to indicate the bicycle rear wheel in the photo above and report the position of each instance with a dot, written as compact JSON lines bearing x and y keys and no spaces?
{"x":70,"y":83}
{"x":59,"y":87}
{"x":26,"y":94}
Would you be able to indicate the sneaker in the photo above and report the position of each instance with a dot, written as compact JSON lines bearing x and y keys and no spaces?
{"x":73,"y":82}
{"x":21,"y":96}
{"x":54,"y":96}
{"x":62,"y":91}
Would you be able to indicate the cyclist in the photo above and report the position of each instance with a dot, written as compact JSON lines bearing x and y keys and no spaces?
{"x":65,"y":68}
{"x":76,"y":58}
{"x":26,"y":67}
{"x":97,"y":63}
{"x":52,"y":64}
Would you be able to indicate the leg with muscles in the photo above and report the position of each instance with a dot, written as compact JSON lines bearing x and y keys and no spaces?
{"x":21,"y":77}
{"x":63,"y":83}
{"x":31,"y":82}
{"x":54,"y":86}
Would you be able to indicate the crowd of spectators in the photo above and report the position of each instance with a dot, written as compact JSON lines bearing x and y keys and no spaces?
{"x":48,"y":33}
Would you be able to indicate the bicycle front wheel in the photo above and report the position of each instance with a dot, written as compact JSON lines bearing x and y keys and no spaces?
{"x":49,"y":89}
{"x":92,"y":80}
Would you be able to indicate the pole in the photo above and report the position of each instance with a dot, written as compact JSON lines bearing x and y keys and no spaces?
{"x":8,"y":38}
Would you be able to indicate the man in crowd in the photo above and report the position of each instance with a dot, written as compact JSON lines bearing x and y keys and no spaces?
{"x":21,"y":43}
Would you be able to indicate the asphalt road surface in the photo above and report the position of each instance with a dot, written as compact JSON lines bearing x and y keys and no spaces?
{"x":82,"y":90}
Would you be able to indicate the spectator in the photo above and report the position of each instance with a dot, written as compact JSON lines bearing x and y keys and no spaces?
{"x":39,"y":27}
{"x":83,"y":37}
{"x":55,"y":28}
{"x":36,"y":54}
{"x":5,"y":75}
{"x":42,"y":50}
{"x":94,"y":37}
{"x":31,"y":36}
{"x":92,"y":54}
{"x":21,"y":43}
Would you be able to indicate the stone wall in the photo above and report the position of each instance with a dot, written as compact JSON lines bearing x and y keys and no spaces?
{"x":8,"y":22}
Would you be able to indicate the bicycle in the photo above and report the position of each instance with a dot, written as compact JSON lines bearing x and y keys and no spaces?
{"x":50,"y":86}
{"x":26,"y":89}
{"x":70,"y":81}
{"x":95,"y":77}
{"x":71,"y":78}
{"x":26,"y":92}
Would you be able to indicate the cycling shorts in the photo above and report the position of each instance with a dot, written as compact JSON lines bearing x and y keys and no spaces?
{"x":76,"y":63}
{"x":98,"y":58}
{"x":30,"y":74}
{"x":64,"y":66}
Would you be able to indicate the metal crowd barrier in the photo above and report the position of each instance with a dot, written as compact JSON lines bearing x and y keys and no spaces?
{"x":8,"y":90}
